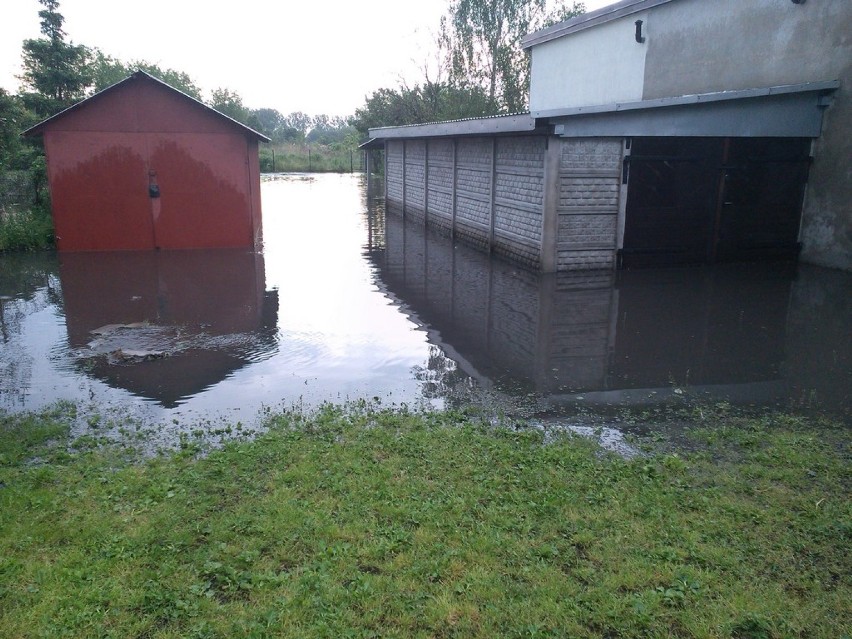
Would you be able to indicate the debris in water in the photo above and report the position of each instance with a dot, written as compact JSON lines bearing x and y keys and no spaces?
{"x":112,"y":328}
{"x":127,"y":356}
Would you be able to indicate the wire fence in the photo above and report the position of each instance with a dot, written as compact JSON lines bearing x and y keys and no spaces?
{"x":17,"y":189}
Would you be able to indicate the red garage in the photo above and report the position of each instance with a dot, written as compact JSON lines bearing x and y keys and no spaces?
{"x":141,"y":165}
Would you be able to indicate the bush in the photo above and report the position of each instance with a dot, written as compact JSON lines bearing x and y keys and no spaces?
{"x":25,"y":229}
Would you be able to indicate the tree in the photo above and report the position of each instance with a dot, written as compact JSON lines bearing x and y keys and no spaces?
{"x":329,"y":131}
{"x":299,"y":121}
{"x":429,"y":102}
{"x":107,"y":71}
{"x":270,"y":121}
{"x":14,"y":118}
{"x":483,"y":43}
{"x":58,"y":72}
{"x":231,"y":104}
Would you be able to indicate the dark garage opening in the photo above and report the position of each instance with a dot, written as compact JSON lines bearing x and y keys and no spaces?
{"x":694,"y":200}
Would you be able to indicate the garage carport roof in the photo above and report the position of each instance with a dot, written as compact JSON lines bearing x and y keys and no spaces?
{"x":793,"y":110}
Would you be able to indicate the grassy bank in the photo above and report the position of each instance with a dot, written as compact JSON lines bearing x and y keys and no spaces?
{"x":25,"y":229}
{"x":360,"y":523}
{"x":316,"y":158}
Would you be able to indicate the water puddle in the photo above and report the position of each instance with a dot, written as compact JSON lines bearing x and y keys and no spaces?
{"x":343,"y":304}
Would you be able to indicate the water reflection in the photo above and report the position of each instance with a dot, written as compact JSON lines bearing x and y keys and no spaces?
{"x":757,"y":333}
{"x":29,"y":287}
{"x":184,"y":339}
{"x":346,"y":304}
{"x":167,"y":324}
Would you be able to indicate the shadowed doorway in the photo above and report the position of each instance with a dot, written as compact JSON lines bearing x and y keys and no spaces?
{"x":693,"y":200}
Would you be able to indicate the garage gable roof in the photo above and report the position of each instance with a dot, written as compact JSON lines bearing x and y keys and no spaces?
{"x":142,"y":76}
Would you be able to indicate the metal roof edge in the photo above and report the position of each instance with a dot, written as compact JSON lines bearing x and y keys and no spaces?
{"x":137,"y":75}
{"x":718,"y":96}
{"x":371,"y":143}
{"x":514,"y":123}
{"x":589,"y":20}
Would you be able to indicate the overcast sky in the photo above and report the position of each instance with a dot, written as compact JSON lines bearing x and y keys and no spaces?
{"x":291,"y":55}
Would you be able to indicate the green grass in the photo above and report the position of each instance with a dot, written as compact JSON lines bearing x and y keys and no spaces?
{"x":322,"y":158}
{"x":357,"y":523}
{"x":25,"y":229}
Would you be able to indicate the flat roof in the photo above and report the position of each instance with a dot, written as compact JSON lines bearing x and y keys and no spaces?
{"x":794,"y":110}
{"x":784,"y":110}
{"x":696,"y":98}
{"x":491,"y":125}
{"x":589,"y":20}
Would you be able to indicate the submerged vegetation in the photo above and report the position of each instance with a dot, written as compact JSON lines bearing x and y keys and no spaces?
{"x":358,"y":522}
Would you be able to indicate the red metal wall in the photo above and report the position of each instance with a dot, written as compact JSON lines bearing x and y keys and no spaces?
{"x":105,"y":155}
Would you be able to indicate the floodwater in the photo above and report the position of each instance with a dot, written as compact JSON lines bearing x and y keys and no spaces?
{"x":344,"y":304}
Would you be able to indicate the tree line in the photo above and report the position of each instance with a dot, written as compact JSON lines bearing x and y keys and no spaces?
{"x":481,"y":70}
{"x":57,"y":73}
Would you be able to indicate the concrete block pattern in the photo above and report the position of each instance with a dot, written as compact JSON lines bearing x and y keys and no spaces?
{"x":440,"y":205}
{"x":589,"y":192}
{"x":527,"y":152}
{"x":414,"y":197}
{"x":521,"y":223}
{"x":476,"y":182}
{"x":591,"y":154}
{"x":522,"y":253}
{"x":440,"y":176}
{"x":440,"y":151}
{"x":587,"y":199}
{"x":474,"y":151}
{"x":440,"y":223}
{"x":472,"y":211}
{"x":393,"y":171}
{"x":415,"y":150}
{"x":586,"y":281}
{"x":520,"y":188}
{"x":569,"y":260}
{"x":415,"y":174}
{"x":587,"y":230}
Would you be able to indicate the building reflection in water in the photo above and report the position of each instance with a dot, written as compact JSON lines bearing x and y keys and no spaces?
{"x":756,"y":333}
{"x":165,"y":325}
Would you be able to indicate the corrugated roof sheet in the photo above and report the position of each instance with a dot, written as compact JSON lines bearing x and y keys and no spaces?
{"x":514,"y":123}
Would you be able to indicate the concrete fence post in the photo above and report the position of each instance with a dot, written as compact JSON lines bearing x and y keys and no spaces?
{"x":550,"y":206}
